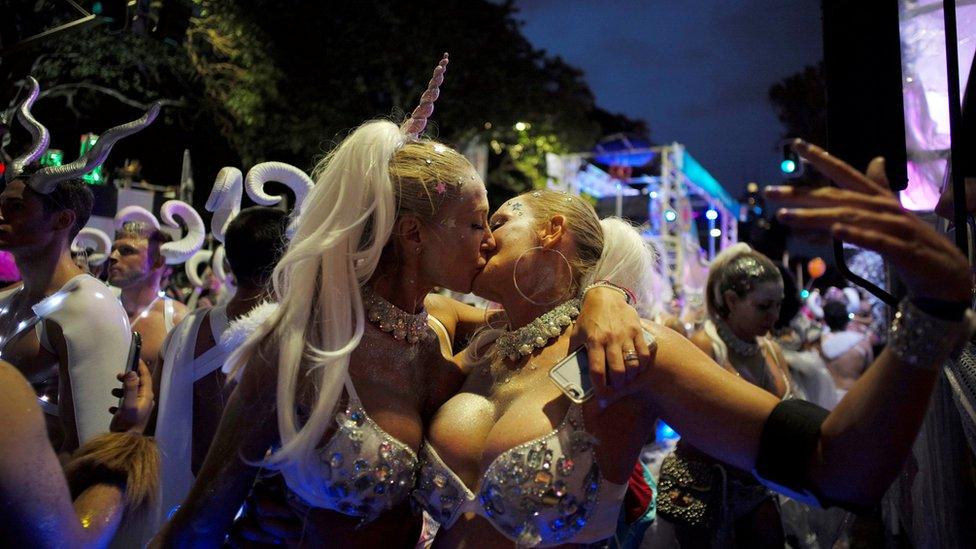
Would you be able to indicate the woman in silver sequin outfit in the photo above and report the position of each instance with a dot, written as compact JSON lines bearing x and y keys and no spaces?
{"x":706,"y":500}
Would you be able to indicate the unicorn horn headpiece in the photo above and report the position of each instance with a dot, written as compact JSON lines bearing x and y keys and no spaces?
{"x":46,"y":179}
{"x":415,"y":125}
{"x":93,"y":239}
{"x":177,"y":251}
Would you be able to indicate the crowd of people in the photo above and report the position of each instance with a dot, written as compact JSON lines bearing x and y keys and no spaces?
{"x":319,"y":392}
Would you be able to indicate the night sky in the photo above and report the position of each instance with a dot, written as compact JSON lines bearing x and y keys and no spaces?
{"x":697,"y":71}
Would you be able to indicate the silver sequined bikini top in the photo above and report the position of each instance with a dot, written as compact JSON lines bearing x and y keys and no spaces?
{"x":547,"y":491}
{"x":364,"y":470}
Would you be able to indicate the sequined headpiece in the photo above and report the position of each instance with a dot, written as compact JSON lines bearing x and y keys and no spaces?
{"x":46,"y":179}
{"x":415,"y":125}
{"x":738,"y":268}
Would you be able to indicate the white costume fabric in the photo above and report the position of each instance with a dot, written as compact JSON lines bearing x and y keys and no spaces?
{"x":811,"y":377}
{"x":169,"y":314}
{"x":174,"y":426}
{"x":834,"y":344}
{"x":97,"y":336}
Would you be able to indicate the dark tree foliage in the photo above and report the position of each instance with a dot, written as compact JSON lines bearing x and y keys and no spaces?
{"x":800,"y":102}
{"x":285,"y":80}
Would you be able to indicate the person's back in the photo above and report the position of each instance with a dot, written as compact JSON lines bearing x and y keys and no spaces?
{"x":192,"y":385}
{"x":847,"y":353}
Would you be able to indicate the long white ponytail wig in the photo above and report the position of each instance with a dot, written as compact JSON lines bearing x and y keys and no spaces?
{"x":337,"y":241}
{"x":375,"y":174}
{"x":320,"y":319}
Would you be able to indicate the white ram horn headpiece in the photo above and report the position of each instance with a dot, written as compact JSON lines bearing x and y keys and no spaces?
{"x":193,"y":267}
{"x":180,"y":250}
{"x":135,"y":214}
{"x":46,"y":179}
{"x":217,"y":265}
{"x":297,"y":180}
{"x":225,"y":200}
{"x":40,"y":137}
{"x":95,"y":239}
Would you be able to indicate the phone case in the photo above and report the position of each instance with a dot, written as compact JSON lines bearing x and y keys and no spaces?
{"x":572,"y":374}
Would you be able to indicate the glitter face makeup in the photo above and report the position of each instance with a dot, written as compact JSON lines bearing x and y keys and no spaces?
{"x":518,"y":208}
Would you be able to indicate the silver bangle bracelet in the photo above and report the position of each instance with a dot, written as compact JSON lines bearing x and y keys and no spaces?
{"x":605,"y":285}
{"x":915,"y":337}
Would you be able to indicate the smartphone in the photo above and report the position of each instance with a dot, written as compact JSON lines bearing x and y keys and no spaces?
{"x":132,"y":362}
{"x":572,"y":374}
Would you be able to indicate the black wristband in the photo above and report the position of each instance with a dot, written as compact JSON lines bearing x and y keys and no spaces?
{"x":950,"y":311}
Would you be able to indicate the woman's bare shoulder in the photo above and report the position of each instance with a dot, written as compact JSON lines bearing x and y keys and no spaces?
{"x":701,"y":340}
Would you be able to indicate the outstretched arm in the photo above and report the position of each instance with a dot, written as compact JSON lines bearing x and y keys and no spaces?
{"x":863,"y":442}
{"x":247,"y":429}
{"x":724,"y":416}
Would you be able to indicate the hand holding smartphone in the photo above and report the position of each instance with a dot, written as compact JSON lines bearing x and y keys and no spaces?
{"x":572,"y":374}
{"x":132,"y":362}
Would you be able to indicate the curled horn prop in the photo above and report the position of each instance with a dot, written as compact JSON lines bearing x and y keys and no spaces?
{"x":193,"y":267}
{"x":40,"y":137}
{"x":96,"y":239}
{"x":225,"y":200}
{"x":297,"y":180}
{"x":217,"y":264}
{"x":415,"y":125}
{"x":136,"y":214}
{"x":46,"y":179}
{"x":184,"y":248}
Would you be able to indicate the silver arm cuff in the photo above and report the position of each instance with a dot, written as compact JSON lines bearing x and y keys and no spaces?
{"x":915,"y":337}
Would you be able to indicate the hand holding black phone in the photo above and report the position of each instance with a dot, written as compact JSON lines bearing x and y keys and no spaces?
{"x":132,"y":362}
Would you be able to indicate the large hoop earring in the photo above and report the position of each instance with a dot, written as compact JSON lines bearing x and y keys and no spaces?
{"x":569,"y":269}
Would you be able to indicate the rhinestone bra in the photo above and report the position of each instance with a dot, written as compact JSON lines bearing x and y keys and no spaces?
{"x":364,"y":470}
{"x":544,"y":492}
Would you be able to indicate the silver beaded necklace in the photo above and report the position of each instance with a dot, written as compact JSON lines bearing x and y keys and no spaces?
{"x":741,"y":348}
{"x":536,"y":334}
{"x":394,"y":320}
